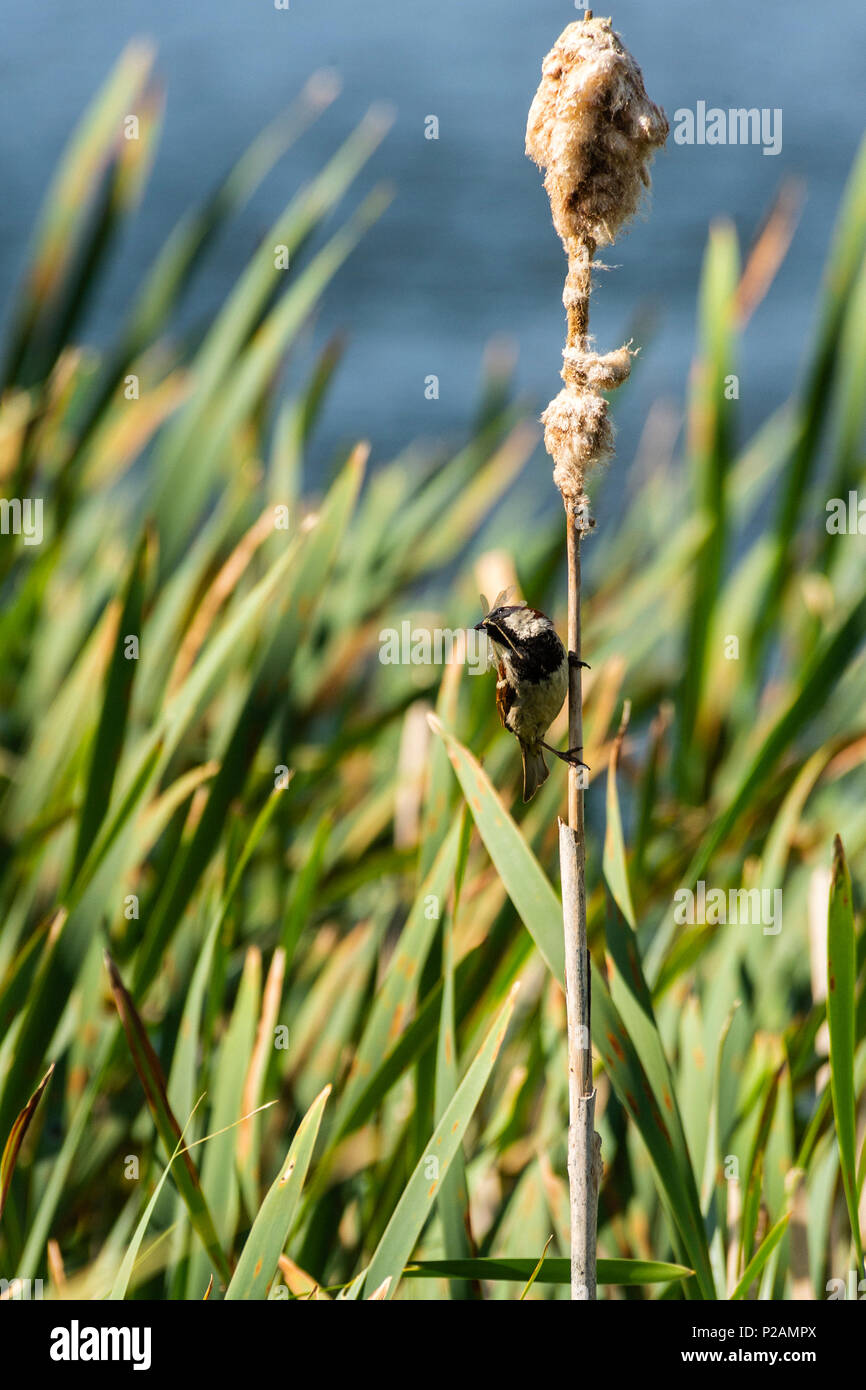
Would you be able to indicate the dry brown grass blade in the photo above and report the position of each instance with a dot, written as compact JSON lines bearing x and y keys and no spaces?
{"x":217,"y":594}
{"x":300,"y":1283}
{"x":128,"y":432}
{"x":150,"y":1073}
{"x":273,"y":993}
{"x":56,"y":1267}
{"x":16,"y":1138}
{"x":146,"y":1062}
{"x":770,"y":248}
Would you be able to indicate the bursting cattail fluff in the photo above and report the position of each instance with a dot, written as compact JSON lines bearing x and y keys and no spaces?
{"x":593,"y":129}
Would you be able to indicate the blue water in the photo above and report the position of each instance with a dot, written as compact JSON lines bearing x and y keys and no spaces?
{"x":466,"y":252}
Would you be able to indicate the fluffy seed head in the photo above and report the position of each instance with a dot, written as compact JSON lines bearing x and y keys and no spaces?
{"x":593,"y":128}
{"x":577,"y":435}
{"x":599,"y":373}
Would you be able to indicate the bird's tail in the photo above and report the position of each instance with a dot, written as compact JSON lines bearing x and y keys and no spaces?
{"x":534,"y":769}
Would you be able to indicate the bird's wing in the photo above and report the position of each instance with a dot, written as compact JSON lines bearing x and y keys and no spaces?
{"x":504,"y":694}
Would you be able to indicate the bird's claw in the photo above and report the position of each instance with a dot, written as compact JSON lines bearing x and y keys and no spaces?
{"x":574,"y":662}
{"x":570,"y":756}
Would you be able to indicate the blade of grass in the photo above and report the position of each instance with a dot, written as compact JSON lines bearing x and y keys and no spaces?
{"x":454,"y":1197}
{"x":841,"y":980}
{"x":127,"y":1264}
{"x":535,"y":1273}
{"x":67,"y":204}
{"x":842,"y":267}
{"x":710,"y":430}
{"x":760,"y":1258}
{"x":413,"y":1208}
{"x":396,"y":992}
{"x":219,"y":1179}
{"x":12,"y":1147}
{"x":260,"y":1256}
{"x":111,"y":729}
{"x":149,"y":1070}
{"x":822,"y":671}
{"x":551,"y":1270}
{"x":313,"y":561}
{"x":183,"y":252}
{"x":524,"y":881}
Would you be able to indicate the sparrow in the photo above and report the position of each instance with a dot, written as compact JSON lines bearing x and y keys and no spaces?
{"x":532,"y":667}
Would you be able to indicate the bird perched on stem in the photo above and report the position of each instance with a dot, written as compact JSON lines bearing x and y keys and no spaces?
{"x":532,"y":668}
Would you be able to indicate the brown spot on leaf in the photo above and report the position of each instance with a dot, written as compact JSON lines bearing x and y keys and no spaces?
{"x":660,"y":1123}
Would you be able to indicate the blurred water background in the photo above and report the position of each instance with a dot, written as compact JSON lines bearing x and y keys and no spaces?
{"x":466,"y":252}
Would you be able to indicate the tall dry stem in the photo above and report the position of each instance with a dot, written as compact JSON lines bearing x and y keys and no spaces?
{"x":593,"y":129}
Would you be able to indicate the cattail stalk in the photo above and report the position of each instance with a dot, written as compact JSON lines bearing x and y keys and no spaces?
{"x":593,"y":129}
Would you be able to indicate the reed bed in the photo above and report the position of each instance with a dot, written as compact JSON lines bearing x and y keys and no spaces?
{"x":263,"y":921}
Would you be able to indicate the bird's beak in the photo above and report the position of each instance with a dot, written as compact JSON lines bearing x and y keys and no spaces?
{"x":480,"y":627}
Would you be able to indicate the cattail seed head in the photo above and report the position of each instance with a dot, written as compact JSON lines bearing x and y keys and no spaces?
{"x":599,"y":373}
{"x":593,"y":129}
{"x":577,"y":435}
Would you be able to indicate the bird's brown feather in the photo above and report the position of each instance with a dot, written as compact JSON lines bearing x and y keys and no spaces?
{"x":504,"y":694}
